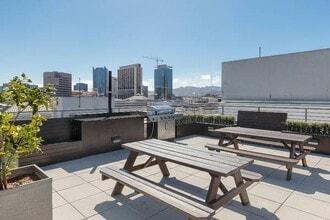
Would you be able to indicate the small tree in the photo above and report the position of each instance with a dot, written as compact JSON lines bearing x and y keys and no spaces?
{"x":21,"y":139}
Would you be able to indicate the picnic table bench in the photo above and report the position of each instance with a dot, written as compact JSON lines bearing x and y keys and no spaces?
{"x":218,"y":165}
{"x":294,"y":142}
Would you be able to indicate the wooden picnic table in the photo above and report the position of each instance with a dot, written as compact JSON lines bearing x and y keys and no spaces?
{"x":295,"y":143}
{"x":218,"y":165}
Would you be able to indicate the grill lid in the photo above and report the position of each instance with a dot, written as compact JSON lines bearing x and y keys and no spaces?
{"x":160,"y":109}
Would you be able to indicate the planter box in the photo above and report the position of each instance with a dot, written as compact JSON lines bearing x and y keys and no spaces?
{"x":53,"y":153}
{"x":321,"y":143}
{"x":196,"y":128}
{"x":31,"y":201}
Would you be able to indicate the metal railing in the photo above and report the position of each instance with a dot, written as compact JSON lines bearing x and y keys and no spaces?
{"x":78,"y":112}
{"x":303,"y":113}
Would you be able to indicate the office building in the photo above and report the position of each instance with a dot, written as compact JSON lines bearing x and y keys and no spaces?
{"x":163,"y":82}
{"x":114,"y":87}
{"x":129,"y":81}
{"x":302,"y":76}
{"x":4,"y":85}
{"x":145,"y":91}
{"x":61,"y":81}
{"x":81,"y":87}
{"x":101,"y":80}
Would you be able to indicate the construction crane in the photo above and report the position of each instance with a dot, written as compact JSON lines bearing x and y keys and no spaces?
{"x":154,"y":58}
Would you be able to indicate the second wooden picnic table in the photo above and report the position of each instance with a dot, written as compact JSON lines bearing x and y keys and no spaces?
{"x":295,"y":143}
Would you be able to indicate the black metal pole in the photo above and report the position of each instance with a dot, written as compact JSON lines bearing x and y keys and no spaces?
{"x":79,"y":91}
{"x":110,"y":93}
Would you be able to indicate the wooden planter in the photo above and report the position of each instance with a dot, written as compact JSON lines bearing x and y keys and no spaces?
{"x":53,"y":153}
{"x":321,"y":143}
{"x":30,"y":201}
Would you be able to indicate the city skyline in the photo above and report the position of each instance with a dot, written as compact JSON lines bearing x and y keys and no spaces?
{"x":192,"y":36}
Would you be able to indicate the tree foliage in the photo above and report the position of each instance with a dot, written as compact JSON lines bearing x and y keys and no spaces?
{"x":21,"y":139}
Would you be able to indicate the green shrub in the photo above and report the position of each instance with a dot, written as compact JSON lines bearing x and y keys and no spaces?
{"x":21,"y":139}
{"x":320,"y":128}
{"x":209,"y":119}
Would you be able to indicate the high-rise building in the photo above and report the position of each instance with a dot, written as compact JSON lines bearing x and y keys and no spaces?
{"x":61,"y":81}
{"x":129,"y":81}
{"x":81,"y":87}
{"x":4,"y":85}
{"x":114,"y":83}
{"x":145,"y":91}
{"x":163,"y":82}
{"x":101,"y":80}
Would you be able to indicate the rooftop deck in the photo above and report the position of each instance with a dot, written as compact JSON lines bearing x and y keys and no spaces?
{"x":79,"y":193}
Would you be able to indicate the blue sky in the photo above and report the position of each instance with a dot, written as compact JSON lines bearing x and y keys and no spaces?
{"x":193,"y":36}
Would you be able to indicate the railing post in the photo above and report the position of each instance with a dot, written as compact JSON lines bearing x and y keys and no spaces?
{"x":223,"y":110}
{"x":305,"y":114}
{"x":259,"y":109}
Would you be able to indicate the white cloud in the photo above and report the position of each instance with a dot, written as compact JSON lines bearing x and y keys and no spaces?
{"x":206,"y":77}
{"x":179,"y":83}
{"x":195,"y":79}
{"x":149,"y":83}
{"x":198,"y":80}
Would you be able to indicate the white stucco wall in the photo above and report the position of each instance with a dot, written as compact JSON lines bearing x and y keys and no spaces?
{"x":296,"y":76}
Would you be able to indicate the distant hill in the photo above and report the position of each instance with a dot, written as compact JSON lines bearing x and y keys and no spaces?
{"x":197,"y":91}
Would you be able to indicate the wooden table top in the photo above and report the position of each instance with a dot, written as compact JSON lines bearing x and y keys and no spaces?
{"x":265,"y":134}
{"x":202,"y":159}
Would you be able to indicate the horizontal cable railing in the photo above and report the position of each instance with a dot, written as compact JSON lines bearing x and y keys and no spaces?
{"x":303,"y":113}
{"x":317,"y":114}
{"x":78,"y":112}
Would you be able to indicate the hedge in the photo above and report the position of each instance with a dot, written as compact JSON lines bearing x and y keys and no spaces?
{"x":209,"y":119}
{"x":320,"y":128}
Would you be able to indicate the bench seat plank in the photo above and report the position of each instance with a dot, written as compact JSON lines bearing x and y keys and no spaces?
{"x":250,"y":175}
{"x":193,"y":209}
{"x":253,"y":154}
{"x":271,"y":143}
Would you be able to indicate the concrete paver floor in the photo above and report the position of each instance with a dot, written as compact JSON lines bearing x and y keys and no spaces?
{"x":79,"y":193}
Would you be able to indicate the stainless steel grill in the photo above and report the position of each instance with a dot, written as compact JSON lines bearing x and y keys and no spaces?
{"x":162,"y":113}
{"x":163,"y":121}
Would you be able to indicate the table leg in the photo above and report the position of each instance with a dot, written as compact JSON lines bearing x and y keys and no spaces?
{"x":292,"y":155}
{"x":130,"y":160}
{"x":289,"y":173}
{"x":163,"y":167}
{"x":128,"y":166}
{"x":221,"y":139}
{"x":213,"y":189}
{"x":292,"y":150}
{"x":239,"y":181}
{"x":223,"y":188}
{"x":304,"y":161}
{"x":235,"y":142}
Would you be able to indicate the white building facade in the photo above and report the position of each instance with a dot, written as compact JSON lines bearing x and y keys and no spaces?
{"x":296,"y":76}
